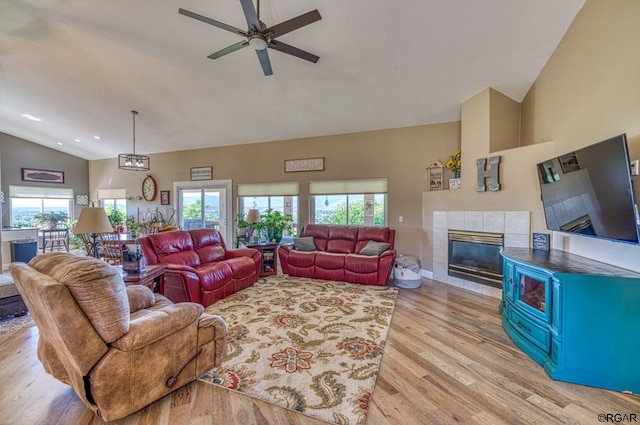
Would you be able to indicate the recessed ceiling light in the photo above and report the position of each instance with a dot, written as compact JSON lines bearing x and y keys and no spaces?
{"x":59,"y":143}
{"x":31,"y":117}
{"x":78,"y":140}
{"x":96,"y":137}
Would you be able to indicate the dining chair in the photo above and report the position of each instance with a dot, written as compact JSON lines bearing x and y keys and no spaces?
{"x":112,"y":248}
{"x":56,"y":238}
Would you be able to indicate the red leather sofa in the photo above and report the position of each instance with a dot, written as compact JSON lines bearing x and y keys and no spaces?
{"x":337,"y":254}
{"x":200,"y":267}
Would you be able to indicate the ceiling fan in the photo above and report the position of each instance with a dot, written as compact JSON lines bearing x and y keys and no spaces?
{"x":259,"y":36}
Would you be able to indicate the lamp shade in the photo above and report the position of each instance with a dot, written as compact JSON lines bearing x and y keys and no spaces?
{"x":93,"y":220}
{"x":253,"y":216}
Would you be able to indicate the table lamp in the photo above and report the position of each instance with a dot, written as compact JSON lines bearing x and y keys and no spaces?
{"x":253,"y":217}
{"x":93,"y":220}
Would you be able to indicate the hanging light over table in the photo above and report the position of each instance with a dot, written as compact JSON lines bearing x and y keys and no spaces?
{"x":134,"y":161}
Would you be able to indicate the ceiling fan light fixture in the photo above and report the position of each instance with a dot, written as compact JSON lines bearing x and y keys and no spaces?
{"x":258,"y":42}
{"x":134,"y":161}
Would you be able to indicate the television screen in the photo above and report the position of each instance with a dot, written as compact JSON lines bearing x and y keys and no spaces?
{"x":590,"y":192}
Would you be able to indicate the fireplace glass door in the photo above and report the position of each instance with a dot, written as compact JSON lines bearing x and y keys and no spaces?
{"x":533,"y":293}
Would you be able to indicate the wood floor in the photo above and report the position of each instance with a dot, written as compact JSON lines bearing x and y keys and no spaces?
{"x":447,"y":361}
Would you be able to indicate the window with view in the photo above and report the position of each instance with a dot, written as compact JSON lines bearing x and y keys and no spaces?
{"x":29,"y":205}
{"x":354,"y":202}
{"x":282,"y":197}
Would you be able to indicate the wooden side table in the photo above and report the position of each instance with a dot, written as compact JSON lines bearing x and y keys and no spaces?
{"x":152,"y":277}
{"x":268,"y":252}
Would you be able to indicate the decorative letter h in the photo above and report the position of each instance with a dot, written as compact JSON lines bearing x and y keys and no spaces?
{"x":492,"y":174}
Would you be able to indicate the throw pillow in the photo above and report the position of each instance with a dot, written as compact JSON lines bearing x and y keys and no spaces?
{"x":374,"y":248}
{"x":304,"y":244}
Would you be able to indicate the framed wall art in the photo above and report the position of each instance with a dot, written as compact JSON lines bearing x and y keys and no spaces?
{"x":42,"y":176}
{"x":306,"y":164}
{"x":201,"y":173}
{"x":435,"y":171}
{"x":164,"y":197}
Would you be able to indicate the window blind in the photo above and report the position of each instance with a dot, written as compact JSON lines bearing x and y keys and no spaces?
{"x":40,"y":192}
{"x":268,"y":189}
{"x":112,"y":194}
{"x":355,"y":186}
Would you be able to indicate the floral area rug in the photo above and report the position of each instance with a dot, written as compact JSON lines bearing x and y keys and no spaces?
{"x":314,"y":346}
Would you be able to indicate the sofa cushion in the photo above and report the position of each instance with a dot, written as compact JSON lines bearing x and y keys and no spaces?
{"x":374,"y":248}
{"x":342,"y":239}
{"x":241,"y":267}
{"x":361,"y":263}
{"x":302,"y":258}
{"x":208,"y":245}
{"x":330,"y":260}
{"x":319,"y":233}
{"x":214,"y":275}
{"x":304,"y":244}
{"x":175,"y":248}
{"x":376,"y":234}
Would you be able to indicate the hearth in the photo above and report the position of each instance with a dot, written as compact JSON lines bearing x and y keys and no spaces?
{"x":475,"y":256}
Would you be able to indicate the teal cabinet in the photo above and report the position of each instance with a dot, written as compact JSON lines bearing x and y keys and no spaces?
{"x":576,"y":317}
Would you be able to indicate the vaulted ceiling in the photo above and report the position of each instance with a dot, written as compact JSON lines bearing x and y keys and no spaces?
{"x":81,"y":66}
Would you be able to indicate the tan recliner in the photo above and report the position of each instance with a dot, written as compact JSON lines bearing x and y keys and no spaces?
{"x":120,"y":348}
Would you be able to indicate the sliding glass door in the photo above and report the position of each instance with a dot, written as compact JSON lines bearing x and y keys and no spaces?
{"x":204,"y":206}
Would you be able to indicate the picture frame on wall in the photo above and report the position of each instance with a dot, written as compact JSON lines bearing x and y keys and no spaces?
{"x":202,"y":173}
{"x":305,"y":164}
{"x":42,"y":176}
{"x":165,"y":198}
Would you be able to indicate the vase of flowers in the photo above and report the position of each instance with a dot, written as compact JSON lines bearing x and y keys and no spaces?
{"x":454,"y":163}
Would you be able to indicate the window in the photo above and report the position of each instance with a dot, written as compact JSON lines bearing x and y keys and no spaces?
{"x":281,"y":197}
{"x":357,"y":202}
{"x":27,"y":202}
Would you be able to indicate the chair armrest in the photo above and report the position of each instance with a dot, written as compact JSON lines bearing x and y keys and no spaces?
{"x":180,"y":268}
{"x":139,"y":297}
{"x":213,"y":328}
{"x":240,"y":252}
{"x":158,"y":324}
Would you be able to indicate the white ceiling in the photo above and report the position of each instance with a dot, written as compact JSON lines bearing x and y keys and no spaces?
{"x":83,"y":65}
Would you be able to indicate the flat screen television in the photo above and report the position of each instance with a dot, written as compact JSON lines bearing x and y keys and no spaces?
{"x":590,"y":192}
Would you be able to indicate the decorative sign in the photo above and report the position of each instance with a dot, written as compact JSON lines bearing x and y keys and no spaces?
{"x":43,"y":176}
{"x":164,"y":197}
{"x":435,"y":171}
{"x":82,"y":200}
{"x":307,"y":164}
{"x":202,"y":173}
{"x":540,"y":241}
{"x":493,"y":174}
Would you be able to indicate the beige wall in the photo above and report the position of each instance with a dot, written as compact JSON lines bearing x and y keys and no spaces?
{"x":401,"y":155}
{"x":588,"y":91}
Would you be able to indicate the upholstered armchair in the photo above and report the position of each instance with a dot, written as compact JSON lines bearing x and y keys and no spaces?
{"x":119,"y":347}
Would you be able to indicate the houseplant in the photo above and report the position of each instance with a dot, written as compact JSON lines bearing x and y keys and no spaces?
{"x":50,"y":219}
{"x":116,"y":218}
{"x":273,"y":225}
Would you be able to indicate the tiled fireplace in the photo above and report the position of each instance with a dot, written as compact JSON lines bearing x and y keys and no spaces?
{"x":513,"y":225}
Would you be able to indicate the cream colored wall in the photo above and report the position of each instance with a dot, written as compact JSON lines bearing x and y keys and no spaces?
{"x":589,"y":91}
{"x":401,"y":155}
{"x":504,"y":122}
{"x":518,"y":179}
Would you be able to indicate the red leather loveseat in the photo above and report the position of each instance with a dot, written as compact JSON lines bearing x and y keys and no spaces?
{"x":200,"y":267}
{"x":337,"y":254}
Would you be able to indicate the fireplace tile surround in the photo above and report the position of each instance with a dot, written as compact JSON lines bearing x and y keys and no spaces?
{"x":515,"y":225}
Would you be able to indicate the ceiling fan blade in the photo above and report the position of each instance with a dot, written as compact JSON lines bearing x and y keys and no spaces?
{"x":250,"y":14}
{"x":263,"y":56}
{"x":293,"y":23}
{"x":229,"y":49}
{"x":286,"y":48}
{"x":212,"y":22}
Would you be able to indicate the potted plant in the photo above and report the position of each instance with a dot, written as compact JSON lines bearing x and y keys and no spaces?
{"x":50,"y":219}
{"x":116,"y":218}
{"x":273,"y":225}
{"x":241,"y":224}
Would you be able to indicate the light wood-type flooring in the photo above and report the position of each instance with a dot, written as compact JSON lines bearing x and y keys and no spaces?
{"x":447,"y":361}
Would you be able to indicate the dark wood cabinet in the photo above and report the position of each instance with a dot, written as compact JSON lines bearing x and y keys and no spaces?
{"x":269,"y":253}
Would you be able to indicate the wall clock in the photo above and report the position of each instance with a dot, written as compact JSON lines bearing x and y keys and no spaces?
{"x":149,"y":188}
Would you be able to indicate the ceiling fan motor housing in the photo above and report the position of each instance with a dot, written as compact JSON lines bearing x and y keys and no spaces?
{"x":258,"y":41}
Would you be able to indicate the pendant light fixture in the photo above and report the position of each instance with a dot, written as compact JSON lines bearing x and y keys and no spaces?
{"x":134,"y":161}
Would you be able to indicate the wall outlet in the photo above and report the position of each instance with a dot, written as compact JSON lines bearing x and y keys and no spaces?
{"x":634,"y":167}
{"x":401,"y":219}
